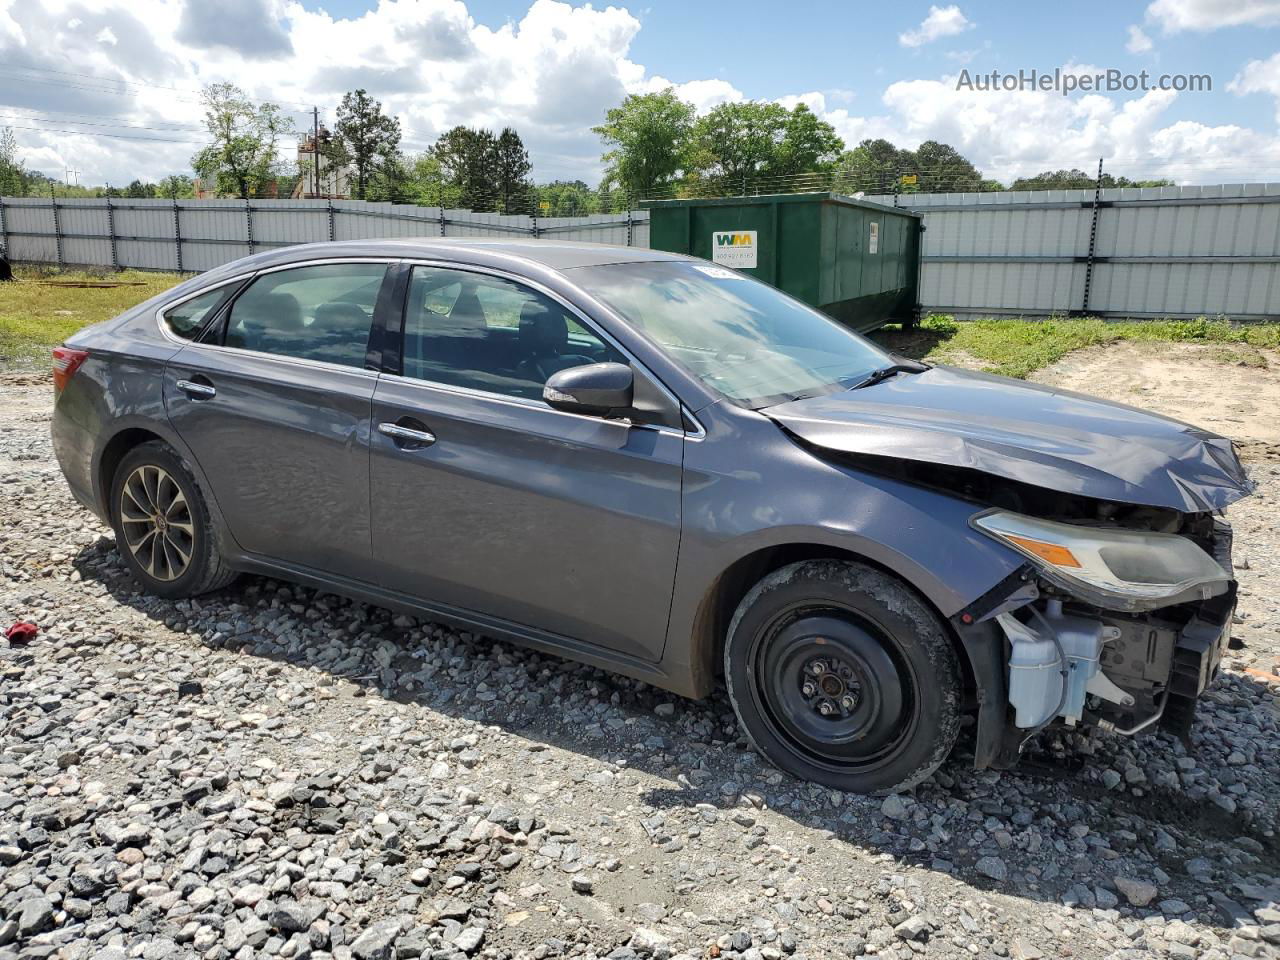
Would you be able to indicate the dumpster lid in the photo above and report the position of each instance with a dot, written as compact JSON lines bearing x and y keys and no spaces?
{"x":823,"y":196}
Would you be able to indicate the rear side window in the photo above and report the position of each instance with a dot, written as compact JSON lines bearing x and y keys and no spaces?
{"x":312,"y":313}
{"x":187,"y":319}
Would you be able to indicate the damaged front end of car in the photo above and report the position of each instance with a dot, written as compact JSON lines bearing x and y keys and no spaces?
{"x":1118,"y":615}
{"x":1118,"y":624}
{"x":1116,"y":620}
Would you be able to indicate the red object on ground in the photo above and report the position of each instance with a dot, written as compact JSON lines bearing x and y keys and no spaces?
{"x":21,"y":632}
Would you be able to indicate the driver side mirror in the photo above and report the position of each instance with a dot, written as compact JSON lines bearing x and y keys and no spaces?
{"x":594,"y":389}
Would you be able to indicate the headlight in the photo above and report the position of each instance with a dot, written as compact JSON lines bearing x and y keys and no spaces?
{"x":1114,"y":569}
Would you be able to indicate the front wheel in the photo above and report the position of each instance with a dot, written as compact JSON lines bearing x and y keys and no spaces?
{"x":842,"y":674}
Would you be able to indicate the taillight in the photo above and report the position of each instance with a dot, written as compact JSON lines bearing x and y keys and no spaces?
{"x":65,"y":364}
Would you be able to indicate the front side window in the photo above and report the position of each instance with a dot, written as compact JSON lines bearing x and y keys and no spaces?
{"x":487,"y":333}
{"x":320,"y":313}
{"x":745,"y":339}
{"x":188,"y":318}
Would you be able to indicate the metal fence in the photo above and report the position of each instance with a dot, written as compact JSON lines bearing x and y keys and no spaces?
{"x":196,"y":235}
{"x":1148,"y":252}
{"x":1139,"y":252}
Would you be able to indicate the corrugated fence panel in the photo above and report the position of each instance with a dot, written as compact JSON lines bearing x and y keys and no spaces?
{"x":28,"y":223}
{"x":1181,"y":251}
{"x":213,"y":232}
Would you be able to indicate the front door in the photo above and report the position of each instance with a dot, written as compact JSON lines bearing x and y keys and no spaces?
{"x":486,"y":499}
{"x":274,"y":404}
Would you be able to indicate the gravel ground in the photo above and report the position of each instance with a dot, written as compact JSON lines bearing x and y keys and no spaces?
{"x":269,"y":771}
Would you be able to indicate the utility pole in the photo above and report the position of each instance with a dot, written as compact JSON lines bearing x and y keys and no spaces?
{"x":315,"y":148}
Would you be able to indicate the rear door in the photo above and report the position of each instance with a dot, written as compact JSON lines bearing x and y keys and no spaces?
{"x":274,"y":403}
{"x":492,"y":501}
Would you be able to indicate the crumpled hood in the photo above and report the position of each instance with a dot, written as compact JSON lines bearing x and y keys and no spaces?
{"x":1039,"y":435}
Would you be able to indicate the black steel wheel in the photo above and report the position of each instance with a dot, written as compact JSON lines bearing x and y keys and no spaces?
{"x":162,"y":524}
{"x":842,"y":674}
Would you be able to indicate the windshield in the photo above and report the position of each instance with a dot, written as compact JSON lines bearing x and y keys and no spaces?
{"x":743,"y":338}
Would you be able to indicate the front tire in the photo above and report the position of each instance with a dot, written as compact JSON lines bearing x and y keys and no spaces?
{"x":843,"y":675}
{"x":162,"y":525}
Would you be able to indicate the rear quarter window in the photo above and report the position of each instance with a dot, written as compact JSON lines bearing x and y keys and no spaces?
{"x":188,"y":318}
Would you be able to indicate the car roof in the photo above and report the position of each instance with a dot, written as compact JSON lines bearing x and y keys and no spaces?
{"x":482,"y":251}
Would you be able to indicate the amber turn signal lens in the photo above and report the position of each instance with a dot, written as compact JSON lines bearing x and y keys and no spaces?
{"x":1052,"y":553}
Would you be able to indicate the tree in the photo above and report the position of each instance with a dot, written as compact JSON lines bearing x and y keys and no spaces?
{"x":140,"y":191}
{"x":808,"y":143}
{"x":736,"y":143}
{"x":566,"y":198}
{"x":241,"y":161}
{"x":940,"y":168}
{"x":467,"y":158}
{"x":14,"y":178}
{"x":511,"y":170}
{"x":879,"y":166}
{"x":649,"y":139}
{"x":873,"y":165}
{"x":176,"y":186}
{"x":370,"y":138}
{"x":1079,"y":180}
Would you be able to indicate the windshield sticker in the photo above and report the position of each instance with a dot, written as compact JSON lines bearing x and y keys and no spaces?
{"x":734,"y":248}
{"x":719,"y":273}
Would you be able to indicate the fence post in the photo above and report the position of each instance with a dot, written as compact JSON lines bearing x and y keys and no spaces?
{"x":111,"y":232}
{"x":248,"y":223}
{"x":329,"y":207}
{"x":177,"y":236}
{"x":57,"y":226}
{"x":441,"y":209}
{"x":1093,"y":240}
{"x":4,"y":232}
{"x":534,"y":217}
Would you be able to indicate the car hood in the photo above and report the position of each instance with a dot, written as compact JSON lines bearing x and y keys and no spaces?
{"x":1033,"y":434}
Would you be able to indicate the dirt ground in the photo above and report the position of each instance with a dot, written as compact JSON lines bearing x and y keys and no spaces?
{"x":338,"y":783}
{"x":1229,"y":390}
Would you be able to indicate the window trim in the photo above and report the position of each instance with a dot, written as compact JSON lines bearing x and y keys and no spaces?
{"x":588,"y":322}
{"x":222,"y":314}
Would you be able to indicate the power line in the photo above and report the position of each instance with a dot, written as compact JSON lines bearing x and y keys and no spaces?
{"x":114,"y":136}
{"x":87,"y":123}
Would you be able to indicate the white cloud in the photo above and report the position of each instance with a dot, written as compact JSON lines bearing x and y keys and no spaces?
{"x":1138,"y":41}
{"x":106,"y":35}
{"x":941,"y":22}
{"x":1204,"y":15}
{"x":1259,"y":76}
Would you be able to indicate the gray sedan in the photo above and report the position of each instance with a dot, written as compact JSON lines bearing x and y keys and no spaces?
{"x":665,"y":468}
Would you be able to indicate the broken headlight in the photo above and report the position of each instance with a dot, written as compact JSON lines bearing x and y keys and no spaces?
{"x":1108,"y":567}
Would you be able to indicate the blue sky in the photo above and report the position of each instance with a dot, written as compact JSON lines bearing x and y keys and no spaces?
{"x":551,"y":69}
{"x":770,"y":49}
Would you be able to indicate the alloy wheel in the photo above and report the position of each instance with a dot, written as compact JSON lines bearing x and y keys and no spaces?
{"x":157,"y":523}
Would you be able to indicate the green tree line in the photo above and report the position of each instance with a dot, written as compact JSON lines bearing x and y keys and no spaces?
{"x":655,"y":145}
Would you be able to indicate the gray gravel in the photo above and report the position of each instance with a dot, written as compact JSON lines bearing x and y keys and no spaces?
{"x":336,"y":781}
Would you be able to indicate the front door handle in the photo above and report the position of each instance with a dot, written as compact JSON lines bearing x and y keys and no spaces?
{"x":407,"y":437}
{"x":197,"y":391}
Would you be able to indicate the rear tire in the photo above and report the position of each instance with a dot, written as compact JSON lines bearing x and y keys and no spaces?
{"x":843,"y":675}
{"x":162,"y":525}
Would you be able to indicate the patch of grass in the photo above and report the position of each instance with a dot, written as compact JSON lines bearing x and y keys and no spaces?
{"x":36,"y":317}
{"x":1015,"y":347}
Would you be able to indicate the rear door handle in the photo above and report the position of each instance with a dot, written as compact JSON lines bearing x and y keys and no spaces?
{"x":197,"y":391}
{"x":407,"y":436}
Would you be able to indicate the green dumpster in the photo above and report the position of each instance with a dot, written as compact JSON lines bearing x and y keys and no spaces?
{"x":857,"y":261}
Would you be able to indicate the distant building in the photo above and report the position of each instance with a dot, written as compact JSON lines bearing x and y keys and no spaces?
{"x":318,"y":177}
